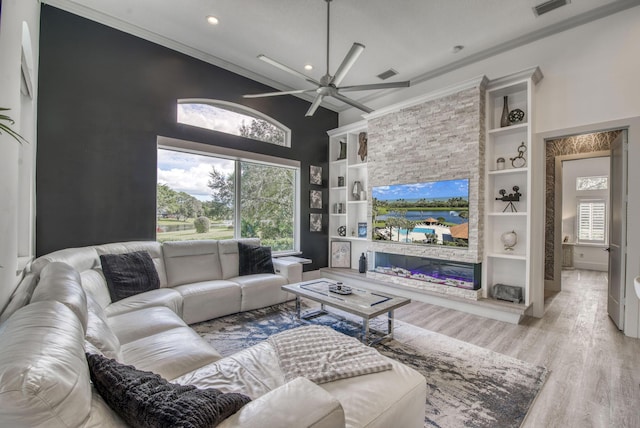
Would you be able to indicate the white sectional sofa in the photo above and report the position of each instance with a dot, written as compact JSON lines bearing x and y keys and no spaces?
{"x":44,"y":375}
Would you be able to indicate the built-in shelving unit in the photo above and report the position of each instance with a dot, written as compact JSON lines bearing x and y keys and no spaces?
{"x":508,"y":266}
{"x":352,"y":168}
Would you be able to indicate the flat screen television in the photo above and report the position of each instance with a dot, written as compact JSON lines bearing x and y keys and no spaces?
{"x":428,"y":213}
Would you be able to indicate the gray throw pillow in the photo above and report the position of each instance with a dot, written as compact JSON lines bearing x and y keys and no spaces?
{"x":129,"y":274}
{"x":144,"y":399}
{"x":254,"y":259}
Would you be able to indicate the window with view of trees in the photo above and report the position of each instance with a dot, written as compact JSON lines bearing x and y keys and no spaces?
{"x":233,"y":119}
{"x":197,"y":199}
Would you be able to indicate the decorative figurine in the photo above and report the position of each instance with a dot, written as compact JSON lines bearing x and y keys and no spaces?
{"x":519,"y":161}
{"x":511,"y":198}
{"x":362,"y":146}
{"x":509,"y":240}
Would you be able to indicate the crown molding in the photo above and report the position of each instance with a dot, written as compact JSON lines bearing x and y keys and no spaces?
{"x":476,"y":82}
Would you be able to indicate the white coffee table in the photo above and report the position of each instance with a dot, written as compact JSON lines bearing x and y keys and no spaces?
{"x":363,"y":303}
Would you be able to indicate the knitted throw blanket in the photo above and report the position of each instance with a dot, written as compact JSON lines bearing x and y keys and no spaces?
{"x":322,"y":355}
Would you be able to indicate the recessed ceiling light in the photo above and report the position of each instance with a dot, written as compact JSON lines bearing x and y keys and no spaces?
{"x":308,"y":67}
{"x":457,"y":48}
{"x":212,"y":20}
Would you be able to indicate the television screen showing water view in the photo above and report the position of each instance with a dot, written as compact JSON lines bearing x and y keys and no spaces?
{"x":428,"y":213}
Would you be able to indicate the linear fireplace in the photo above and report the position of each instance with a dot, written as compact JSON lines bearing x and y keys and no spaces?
{"x":441,"y":272}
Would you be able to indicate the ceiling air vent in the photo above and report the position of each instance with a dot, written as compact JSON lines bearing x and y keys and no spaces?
{"x":548,"y":6}
{"x":386,"y":74}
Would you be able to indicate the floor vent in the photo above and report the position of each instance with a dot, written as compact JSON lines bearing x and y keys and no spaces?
{"x":386,"y":74}
{"x":548,"y":6}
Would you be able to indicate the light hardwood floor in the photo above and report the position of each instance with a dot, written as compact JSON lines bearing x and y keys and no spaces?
{"x":595,"y":369}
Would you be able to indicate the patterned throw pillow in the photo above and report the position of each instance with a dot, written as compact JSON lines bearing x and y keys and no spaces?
{"x":254,"y":259}
{"x":144,"y":399}
{"x":129,"y":274}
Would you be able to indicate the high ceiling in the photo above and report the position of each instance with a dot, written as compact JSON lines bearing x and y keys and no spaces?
{"x":414,"y":37}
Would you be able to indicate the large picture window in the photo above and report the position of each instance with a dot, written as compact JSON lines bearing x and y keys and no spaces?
{"x":214,"y":197}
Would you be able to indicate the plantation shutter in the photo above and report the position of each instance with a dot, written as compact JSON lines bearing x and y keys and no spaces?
{"x":592,"y":221}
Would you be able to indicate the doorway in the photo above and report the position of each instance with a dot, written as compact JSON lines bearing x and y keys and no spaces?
{"x":563,"y":245}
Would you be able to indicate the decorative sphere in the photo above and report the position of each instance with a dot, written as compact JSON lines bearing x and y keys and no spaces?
{"x":509,"y":240}
{"x":342,"y":231}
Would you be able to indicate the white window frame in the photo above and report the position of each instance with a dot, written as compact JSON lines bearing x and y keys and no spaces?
{"x":185,"y":146}
{"x":241,"y":109}
{"x":604,"y":202}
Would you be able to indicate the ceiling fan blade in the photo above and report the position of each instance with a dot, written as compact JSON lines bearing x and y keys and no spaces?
{"x":314,"y":105}
{"x":274,"y":94}
{"x":404,"y":84}
{"x":287,"y":69}
{"x":347,"y":63}
{"x":352,"y":103}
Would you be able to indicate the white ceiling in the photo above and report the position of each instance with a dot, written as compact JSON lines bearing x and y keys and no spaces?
{"x":414,"y":37}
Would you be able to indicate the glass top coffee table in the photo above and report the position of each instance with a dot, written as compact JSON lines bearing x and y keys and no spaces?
{"x":366,"y":304}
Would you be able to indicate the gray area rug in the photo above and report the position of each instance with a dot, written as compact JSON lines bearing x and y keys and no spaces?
{"x":467,"y":386}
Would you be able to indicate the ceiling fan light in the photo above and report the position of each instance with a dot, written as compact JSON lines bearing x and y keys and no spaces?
{"x":212,"y":20}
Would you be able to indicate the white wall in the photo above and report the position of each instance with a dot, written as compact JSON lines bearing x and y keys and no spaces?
{"x":12,"y":154}
{"x":591,"y":82}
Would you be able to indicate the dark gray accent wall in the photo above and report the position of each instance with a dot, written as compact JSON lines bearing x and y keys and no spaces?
{"x":104,"y":97}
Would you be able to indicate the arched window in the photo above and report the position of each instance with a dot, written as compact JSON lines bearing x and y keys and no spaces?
{"x":234,"y":119}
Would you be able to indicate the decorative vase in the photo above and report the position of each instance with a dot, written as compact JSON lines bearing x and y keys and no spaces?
{"x":362,"y":264}
{"x":357,"y":188}
{"x":343,"y":150}
{"x":341,"y":181}
{"x":504,"y":119}
{"x":509,"y":240}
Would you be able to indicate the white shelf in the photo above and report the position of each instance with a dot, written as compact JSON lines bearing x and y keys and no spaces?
{"x":500,"y":266}
{"x":347,"y":238}
{"x":358,"y":165}
{"x":338,"y":214}
{"x":513,"y":129}
{"x":357,"y":202}
{"x":338,"y":162}
{"x":338,"y":188}
{"x":508,"y":214}
{"x":509,"y":171}
{"x":507,"y":256}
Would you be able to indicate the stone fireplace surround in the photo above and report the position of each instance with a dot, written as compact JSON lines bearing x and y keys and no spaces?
{"x":437,"y":137}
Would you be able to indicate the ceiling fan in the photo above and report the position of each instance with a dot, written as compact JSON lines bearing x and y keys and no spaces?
{"x":328,"y":86}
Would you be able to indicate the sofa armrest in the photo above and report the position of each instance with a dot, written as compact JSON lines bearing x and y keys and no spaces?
{"x":292,"y":271}
{"x":299,"y":403}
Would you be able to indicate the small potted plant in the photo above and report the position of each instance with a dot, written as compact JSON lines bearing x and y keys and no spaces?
{"x":5,"y":123}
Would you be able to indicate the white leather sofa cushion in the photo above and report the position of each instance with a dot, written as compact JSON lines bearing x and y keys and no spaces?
{"x":290,"y":270}
{"x":254,"y":371}
{"x":94,"y":283}
{"x":153,"y":248}
{"x":187,"y":262}
{"x":171,"y":353}
{"x":134,"y":325}
{"x":99,"y":334}
{"x":392,"y":398}
{"x":229,"y":258}
{"x":210,"y":299}
{"x":20,"y":296}
{"x":297,"y":404}
{"x":44,"y":372}
{"x":81,"y":259}
{"x":260,"y":290}
{"x":167,"y":297}
{"x":61,"y":282}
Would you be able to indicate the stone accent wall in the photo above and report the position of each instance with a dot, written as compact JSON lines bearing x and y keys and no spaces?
{"x":441,"y":139}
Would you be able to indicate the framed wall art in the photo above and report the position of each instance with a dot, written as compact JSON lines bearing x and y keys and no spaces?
{"x":341,"y":254}
{"x":315,"y":199}
{"x":315,"y":222}
{"x":315,"y":175}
